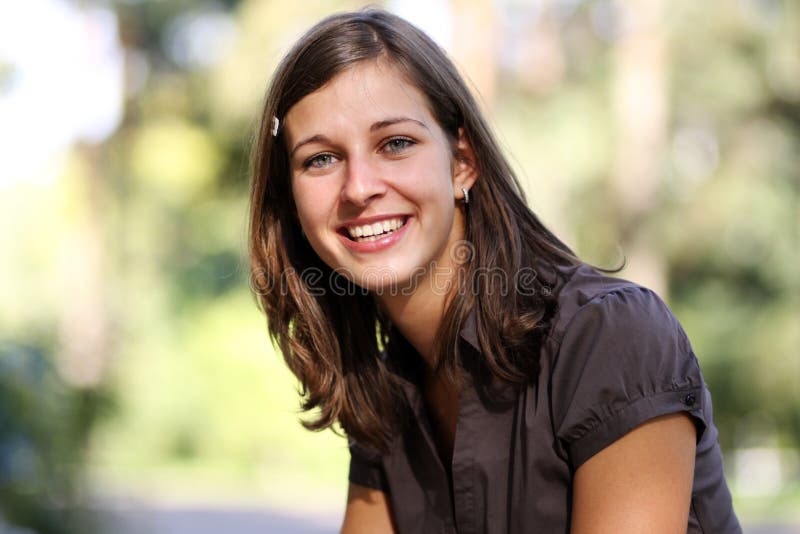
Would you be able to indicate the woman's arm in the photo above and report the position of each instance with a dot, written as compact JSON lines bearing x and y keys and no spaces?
{"x":640,"y":483}
{"x":367,"y":512}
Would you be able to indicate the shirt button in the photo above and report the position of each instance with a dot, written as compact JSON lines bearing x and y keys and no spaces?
{"x":689,"y":399}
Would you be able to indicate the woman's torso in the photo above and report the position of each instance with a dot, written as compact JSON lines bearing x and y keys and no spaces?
{"x":614,"y":358}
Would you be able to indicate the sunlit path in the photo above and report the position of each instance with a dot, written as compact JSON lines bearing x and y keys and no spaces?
{"x":217,"y":520}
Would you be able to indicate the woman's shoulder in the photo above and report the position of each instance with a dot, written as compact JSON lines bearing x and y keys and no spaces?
{"x":618,"y":357}
{"x":590,"y":300}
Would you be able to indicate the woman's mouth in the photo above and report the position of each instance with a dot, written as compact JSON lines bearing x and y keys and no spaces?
{"x":373,"y":231}
{"x":376,"y":235}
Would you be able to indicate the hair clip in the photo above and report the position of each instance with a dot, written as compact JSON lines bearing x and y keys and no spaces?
{"x":275,"y":125}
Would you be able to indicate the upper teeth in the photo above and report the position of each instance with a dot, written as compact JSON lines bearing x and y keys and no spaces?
{"x":375,"y":228}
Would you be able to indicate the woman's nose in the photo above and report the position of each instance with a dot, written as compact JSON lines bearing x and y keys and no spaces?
{"x":363,"y":182}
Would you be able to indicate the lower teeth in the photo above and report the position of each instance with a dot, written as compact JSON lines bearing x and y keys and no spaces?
{"x":373,"y":237}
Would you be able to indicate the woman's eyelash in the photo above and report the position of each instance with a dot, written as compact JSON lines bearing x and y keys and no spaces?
{"x":317,"y":157}
{"x":406,"y":142}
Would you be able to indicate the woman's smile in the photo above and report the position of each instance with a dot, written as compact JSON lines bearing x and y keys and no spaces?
{"x":375,"y":236}
{"x":369,"y":231}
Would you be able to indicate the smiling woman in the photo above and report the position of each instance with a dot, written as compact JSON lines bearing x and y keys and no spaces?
{"x":487,"y":378}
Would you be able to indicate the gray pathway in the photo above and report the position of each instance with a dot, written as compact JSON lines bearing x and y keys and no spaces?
{"x":216,"y":521}
{"x":256,"y":521}
{"x":198,"y":520}
{"x":772,"y":529}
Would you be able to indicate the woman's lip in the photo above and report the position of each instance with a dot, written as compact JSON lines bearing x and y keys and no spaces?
{"x":378,"y":244}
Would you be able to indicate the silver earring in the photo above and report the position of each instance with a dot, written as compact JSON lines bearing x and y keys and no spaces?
{"x":466,"y":195}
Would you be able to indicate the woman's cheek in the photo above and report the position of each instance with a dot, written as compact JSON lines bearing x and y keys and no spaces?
{"x":424,"y":178}
{"x":312,"y":198}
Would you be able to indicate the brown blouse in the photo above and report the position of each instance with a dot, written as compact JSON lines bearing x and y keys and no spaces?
{"x":615,"y":357}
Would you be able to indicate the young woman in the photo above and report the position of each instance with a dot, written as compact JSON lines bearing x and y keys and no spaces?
{"x":488,"y":380}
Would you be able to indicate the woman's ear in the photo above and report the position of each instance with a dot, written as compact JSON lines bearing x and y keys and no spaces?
{"x":465,"y":166}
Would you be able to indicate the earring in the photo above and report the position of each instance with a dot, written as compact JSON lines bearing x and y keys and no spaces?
{"x":466,"y":195}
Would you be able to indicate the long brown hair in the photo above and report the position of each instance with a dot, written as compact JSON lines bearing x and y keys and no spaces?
{"x":310,"y":309}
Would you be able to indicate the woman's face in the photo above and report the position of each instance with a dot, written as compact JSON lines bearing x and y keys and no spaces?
{"x":374,"y":178}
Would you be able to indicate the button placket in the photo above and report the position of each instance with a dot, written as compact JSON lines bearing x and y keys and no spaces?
{"x":462,"y":469}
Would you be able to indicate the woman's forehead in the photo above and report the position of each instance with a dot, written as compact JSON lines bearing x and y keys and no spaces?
{"x":366,"y":92}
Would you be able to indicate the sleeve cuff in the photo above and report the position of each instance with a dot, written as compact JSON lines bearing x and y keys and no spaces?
{"x":689,"y":400}
{"x":368,"y":476}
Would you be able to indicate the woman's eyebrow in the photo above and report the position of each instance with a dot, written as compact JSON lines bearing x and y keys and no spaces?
{"x":395,"y":120}
{"x":319,"y":138}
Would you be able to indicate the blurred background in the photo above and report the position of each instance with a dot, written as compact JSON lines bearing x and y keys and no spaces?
{"x":138,"y":389}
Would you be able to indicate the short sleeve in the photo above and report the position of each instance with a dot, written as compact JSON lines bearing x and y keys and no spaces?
{"x":624,"y":359}
{"x":366,"y":468}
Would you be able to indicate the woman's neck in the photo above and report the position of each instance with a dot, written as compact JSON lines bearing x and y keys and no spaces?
{"x":417,"y":316}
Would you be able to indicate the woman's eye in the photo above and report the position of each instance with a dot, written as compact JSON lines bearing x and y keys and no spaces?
{"x":320,"y":161}
{"x":397,"y":144}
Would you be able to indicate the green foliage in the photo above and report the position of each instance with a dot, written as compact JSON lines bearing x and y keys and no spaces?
{"x":43,"y":430}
